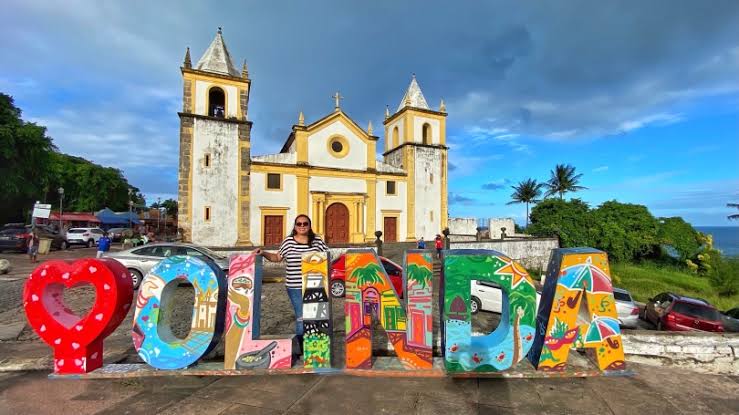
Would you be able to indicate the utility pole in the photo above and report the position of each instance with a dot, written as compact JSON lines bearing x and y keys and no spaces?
{"x":61,"y":209}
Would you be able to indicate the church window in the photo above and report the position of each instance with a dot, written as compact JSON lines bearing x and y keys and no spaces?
{"x":426,"y":133}
{"x":338,"y":146}
{"x":431,"y":216}
{"x":216,"y":102}
{"x":395,"y":136}
{"x":207,"y":160}
{"x":390,"y":187}
{"x":431,"y":178}
{"x":207,"y":213}
{"x":274,"y":181}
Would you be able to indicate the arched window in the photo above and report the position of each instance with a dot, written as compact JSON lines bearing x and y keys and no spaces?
{"x":426,"y":134}
{"x":216,"y":102}
{"x":395,"y":136}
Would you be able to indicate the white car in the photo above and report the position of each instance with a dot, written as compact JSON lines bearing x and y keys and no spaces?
{"x":628,"y":311}
{"x":84,"y":236}
{"x":488,"y":296}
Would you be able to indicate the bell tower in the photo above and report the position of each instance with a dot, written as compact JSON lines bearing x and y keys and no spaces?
{"x":214,"y":167}
{"x":415,"y":140}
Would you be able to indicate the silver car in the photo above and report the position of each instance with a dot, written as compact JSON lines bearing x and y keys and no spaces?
{"x":139,"y":260}
{"x":628,"y":311}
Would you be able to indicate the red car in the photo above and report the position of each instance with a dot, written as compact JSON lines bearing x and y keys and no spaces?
{"x":338,"y":275}
{"x":674,"y":312}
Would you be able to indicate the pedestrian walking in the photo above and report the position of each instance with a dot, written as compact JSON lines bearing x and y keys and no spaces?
{"x":421,"y":244}
{"x":103,"y":244}
{"x":302,"y":239}
{"x":32,"y":244}
{"x":439,"y":243}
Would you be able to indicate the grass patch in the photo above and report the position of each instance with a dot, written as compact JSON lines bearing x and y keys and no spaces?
{"x":645,"y":280}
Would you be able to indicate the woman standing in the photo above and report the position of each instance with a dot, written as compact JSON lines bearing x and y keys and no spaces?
{"x":302,"y":239}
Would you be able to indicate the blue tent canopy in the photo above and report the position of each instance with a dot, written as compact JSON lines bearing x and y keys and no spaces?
{"x":108,"y":217}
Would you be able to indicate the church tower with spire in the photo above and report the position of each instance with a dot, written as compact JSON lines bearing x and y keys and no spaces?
{"x":215,"y":157}
{"x":415,"y":140}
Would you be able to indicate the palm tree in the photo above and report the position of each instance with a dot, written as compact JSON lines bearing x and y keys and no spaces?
{"x":419,"y":274}
{"x":563,"y":179}
{"x":734,"y":205}
{"x":527,"y":191}
{"x":367,"y":275}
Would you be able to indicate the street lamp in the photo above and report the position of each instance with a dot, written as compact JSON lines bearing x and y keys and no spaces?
{"x":159,"y":212}
{"x":130,"y":206}
{"x":61,"y":208}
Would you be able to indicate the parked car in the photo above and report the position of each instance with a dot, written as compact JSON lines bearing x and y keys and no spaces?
{"x":675,"y":312}
{"x":117,"y":234}
{"x":140,"y":260}
{"x":13,"y":238}
{"x":84,"y":236}
{"x":730,"y":319}
{"x":338,"y":275}
{"x":488,"y":296}
{"x":628,"y":311}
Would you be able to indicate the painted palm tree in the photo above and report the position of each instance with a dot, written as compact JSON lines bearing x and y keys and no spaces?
{"x":419,"y":274}
{"x":367,"y":275}
{"x":562,"y":180}
{"x":527,"y":191}
{"x":735,"y":215}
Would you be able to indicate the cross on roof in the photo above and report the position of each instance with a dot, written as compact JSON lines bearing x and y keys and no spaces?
{"x":337,"y":97}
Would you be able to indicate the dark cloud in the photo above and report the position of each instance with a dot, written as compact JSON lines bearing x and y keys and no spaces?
{"x":556,"y":70}
{"x":496,"y":184}
{"x":458,"y":199}
{"x":451,"y":166}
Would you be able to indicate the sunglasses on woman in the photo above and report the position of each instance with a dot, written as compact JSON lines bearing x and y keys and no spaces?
{"x":302,"y":224}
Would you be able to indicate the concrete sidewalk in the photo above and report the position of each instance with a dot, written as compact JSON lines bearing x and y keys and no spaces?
{"x":651,"y":391}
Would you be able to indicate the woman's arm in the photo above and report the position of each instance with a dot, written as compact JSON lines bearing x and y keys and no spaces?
{"x":271,"y":256}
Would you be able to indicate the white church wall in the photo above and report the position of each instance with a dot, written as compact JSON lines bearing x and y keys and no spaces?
{"x":397,"y":202}
{"x":201,"y":98}
{"x":318,"y":154}
{"x":215,"y":186}
{"x":261,"y":197}
{"x":428,"y":192}
{"x":396,"y":123}
{"x":418,"y":123}
{"x":336,"y":185}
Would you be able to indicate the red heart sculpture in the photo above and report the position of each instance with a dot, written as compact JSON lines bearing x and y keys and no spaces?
{"x":77,"y":341}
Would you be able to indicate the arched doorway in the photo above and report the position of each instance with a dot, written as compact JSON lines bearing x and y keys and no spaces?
{"x":337,"y":223}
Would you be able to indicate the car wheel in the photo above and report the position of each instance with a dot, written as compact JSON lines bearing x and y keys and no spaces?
{"x":64,"y":245}
{"x":90,"y":243}
{"x":136,"y":277}
{"x":337,"y":288}
{"x":659,"y":325}
{"x":475,"y":305}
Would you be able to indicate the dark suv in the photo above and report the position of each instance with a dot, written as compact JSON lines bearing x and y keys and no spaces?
{"x":674,"y":312}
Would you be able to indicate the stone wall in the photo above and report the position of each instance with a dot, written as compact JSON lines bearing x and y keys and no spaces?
{"x":494,"y":225}
{"x":705,"y":352}
{"x":463,"y":226}
{"x":532,"y":253}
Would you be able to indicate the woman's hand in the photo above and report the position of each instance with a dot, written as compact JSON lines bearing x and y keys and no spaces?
{"x":258,"y":251}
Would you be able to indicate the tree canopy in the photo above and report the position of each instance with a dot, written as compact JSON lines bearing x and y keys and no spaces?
{"x":527,"y":191}
{"x":563,"y":179}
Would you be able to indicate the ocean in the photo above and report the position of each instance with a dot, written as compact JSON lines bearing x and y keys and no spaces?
{"x":725,"y":238}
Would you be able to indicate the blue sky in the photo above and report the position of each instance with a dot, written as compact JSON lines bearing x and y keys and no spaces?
{"x":640,"y":97}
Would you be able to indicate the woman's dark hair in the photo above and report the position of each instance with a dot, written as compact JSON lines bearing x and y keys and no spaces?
{"x":311,"y":234}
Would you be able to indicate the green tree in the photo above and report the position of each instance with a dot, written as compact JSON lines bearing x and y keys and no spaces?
{"x":725,"y":278}
{"x":527,"y":191}
{"x":421,"y":275}
{"x":570,"y":221}
{"x":563,"y":179}
{"x":679,"y":235}
{"x":626,"y":231}
{"x":24,"y":161}
{"x":171,"y":206}
{"x":368,"y":274}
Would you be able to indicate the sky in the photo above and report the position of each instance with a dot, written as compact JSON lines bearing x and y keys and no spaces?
{"x":641,"y":97}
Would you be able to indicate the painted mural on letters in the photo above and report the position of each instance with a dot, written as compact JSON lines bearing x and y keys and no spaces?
{"x":77,"y":340}
{"x":572,"y":272}
{"x":369,"y":293}
{"x":512,"y":339}
{"x":152,"y":334}
{"x":245,"y":348}
{"x":318,"y":337}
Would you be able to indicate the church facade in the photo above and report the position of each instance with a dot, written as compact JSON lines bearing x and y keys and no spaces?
{"x":327,"y":169}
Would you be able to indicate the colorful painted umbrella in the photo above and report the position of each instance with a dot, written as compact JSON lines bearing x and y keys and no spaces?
{"x":601,"y":328}
{"x":587,"y":276}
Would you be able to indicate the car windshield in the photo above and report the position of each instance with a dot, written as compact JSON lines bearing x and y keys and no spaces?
{"x":77,"y":230}
{"x":625,"y":297}
{"x":211,"y":253}
{"x":695,"y":310}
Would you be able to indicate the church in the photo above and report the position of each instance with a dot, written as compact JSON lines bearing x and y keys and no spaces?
{"x":328,"y":168}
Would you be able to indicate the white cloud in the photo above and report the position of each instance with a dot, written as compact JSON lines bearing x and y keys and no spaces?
{"x":600,"y":169}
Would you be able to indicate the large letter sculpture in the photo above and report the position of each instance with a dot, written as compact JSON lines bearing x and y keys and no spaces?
{"x":572,"y":271}
{"x":369,"y":292}
{"x":513,"y":338}
{"x":152,"y":332}
{"x":245,"y":348}
{"x":316,"y":311}
{"x":77,"y":341}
